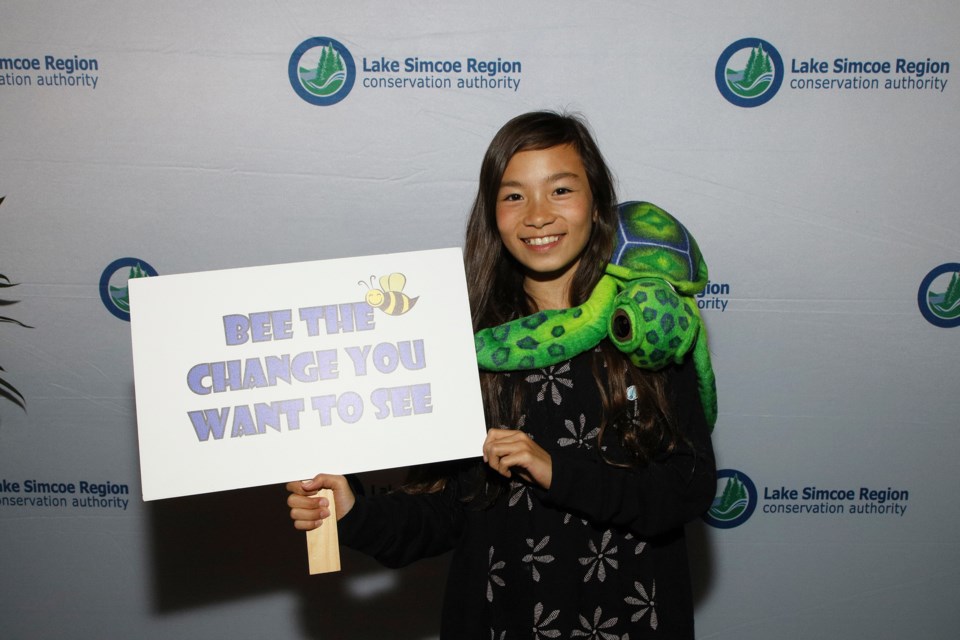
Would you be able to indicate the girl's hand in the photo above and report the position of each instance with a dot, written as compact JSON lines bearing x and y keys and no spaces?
{"x":510,"y":451}
{"x":307,"y":509}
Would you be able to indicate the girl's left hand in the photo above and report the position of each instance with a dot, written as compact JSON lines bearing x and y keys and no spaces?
{"x":510,"y":451}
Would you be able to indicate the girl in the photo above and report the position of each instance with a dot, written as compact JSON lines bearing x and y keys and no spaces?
{"x":573,"y":523}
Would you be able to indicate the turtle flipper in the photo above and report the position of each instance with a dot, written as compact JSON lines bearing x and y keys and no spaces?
{"x":706,"y":379}
{"x":547,"y":337}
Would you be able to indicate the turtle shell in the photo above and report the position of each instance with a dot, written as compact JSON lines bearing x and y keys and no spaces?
{"x":652,"y":243}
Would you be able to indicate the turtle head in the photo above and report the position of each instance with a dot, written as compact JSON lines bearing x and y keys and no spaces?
{"x":653,"y":324}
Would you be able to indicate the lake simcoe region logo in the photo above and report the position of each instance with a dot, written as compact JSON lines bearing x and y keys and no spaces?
{"x":322,"y":71}
{"x":939,"y":296}
{"x":735,"y":500}
{"x":738,"y":498}
{"x":114,"y":290}
{"x":749,"y":72}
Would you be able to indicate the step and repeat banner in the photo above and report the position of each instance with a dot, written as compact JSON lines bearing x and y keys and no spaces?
{"x":812,"y":150}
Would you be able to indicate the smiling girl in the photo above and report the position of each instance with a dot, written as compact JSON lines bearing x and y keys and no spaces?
{"x":572,"y":523}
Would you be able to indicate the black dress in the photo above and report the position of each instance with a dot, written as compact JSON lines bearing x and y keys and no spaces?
{"x":600,"y":555}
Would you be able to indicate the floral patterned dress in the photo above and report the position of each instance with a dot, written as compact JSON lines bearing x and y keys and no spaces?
{"x":601,"y":554}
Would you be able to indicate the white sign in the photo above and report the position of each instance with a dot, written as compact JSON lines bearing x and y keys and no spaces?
{"x":263,"y":375}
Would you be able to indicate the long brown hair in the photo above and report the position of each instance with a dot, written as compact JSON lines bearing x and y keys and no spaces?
{"x":495,"y":283}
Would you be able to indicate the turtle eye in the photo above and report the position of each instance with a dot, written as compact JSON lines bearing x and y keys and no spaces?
{"x":621,"y":325}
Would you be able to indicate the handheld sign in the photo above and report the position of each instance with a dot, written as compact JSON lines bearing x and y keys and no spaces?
{"x":260,"y":375}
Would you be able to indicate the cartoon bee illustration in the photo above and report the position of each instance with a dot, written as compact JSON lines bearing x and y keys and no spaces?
{"x":390,"y":297}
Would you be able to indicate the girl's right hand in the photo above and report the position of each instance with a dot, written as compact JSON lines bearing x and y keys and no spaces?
{"x":307,"y":509}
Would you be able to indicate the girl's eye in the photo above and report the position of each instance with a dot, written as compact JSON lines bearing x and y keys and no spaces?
{"x":512,"y":197}
{"x":562,"y":191}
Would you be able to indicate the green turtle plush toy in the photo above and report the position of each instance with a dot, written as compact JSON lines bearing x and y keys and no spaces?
{"x":643,"y":303}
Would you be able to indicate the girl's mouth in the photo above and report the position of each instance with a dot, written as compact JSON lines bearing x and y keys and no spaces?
{"x":542,"y":241}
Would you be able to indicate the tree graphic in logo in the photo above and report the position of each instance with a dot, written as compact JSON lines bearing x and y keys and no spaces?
{"x":947,"y":304}
{"x":322,"y":71}
{"x":736,"y":501}
{"x":749,"y":72}
{"x":120,"y":296}
{"x":327,"y":78}
{"x":7,"y":390}
{"x":755,"y":78}
{"x":939,"y":296}
{"x":732,"y":502}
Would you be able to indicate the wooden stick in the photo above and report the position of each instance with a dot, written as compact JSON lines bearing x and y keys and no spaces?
{"x":323,"y":545}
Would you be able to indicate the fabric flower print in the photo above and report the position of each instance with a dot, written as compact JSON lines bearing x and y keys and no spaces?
{"x":535,"y":556}
{"x":596,"y":628}
{"x":518,"y":492}
{"x":645,"y":602}
{"x":551,"y":380}
{"x":641,"y":545}
{"x":569,"y":517}
{"x":540,"y":626}
{"x":581,"y":437}
{"x":600,"y":559}
{"x":493,"y":578}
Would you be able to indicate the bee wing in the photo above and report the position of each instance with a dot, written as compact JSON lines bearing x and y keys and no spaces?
{"x":393,"y":282}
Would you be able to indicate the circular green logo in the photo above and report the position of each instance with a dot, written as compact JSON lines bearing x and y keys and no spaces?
{"x":749,"y":72}
{"x":322,"y":71}
{"x":735,"y":500}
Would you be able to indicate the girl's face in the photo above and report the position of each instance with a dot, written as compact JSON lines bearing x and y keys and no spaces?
{"x":545,"y":212}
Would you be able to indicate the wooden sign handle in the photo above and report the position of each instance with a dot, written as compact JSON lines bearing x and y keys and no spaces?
{"x":323,"y":545}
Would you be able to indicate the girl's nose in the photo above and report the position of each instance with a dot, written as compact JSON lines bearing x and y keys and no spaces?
{"x":538,"y":215}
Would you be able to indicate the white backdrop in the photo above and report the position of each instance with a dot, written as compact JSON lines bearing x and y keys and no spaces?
{"x":824,"y":215}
